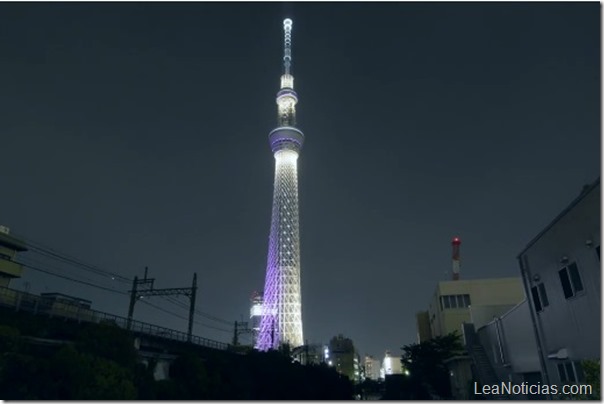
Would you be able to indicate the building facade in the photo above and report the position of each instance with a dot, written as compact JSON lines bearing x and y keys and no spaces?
{"x":458,"y":304}
{"x":391,"y":365}
{"x":309,"y":354}
{"x":509,"y":343}
{"x":372,"y":367}
{"x":467,"y":301}
{"x":561,"y":271}
{"x":343,"y":357}
{"x":255,"y":315}
{"x":9,"y":247}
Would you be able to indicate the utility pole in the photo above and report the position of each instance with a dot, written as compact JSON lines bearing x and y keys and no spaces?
{"x":272,"y":345}
{"x":136,"y":294}
{"x":306,"y":353}
{"x":132,"y":301}
{"x":235,"y":336}
{"x":241,"y":327}
{"x":192,"y":307}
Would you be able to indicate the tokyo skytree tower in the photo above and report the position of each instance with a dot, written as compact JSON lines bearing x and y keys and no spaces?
{"x":282,"y":309}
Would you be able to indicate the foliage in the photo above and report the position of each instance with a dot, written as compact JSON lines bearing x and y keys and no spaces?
{"x":110,"y":342}
{"x":591,"y":368}
{"x":65,"y":374}
{"x":428,"y":376}
{"x":369,"y":388}
{"x":258,"y":375}
{"x":99,"y":362}
{"x":67,"y":360}
{"x":9,"y":338}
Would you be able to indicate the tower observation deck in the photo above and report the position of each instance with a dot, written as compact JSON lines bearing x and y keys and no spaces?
{"x":281,"y":321}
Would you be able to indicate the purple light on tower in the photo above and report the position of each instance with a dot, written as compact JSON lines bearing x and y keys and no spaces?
{"x":281,"y":320}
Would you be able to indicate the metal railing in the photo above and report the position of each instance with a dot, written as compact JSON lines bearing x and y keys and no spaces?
{"x":40,"y":305}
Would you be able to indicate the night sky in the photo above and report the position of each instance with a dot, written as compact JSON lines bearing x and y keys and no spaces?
{"x":136,"y":135}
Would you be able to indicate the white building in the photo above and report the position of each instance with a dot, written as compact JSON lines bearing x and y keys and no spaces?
{"x":391,"y":365}
{"x":561,"y":271}
{"x":255,"y":315}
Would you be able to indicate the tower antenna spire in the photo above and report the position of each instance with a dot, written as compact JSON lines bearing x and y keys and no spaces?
{"x":287,"y":48}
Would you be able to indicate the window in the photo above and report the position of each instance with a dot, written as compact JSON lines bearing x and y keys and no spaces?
{"x":455,"y":301}
{"x":543,"y":294}
{"x":575,"y":277}
{"x":536,"y":300}
{"x":540,"y":299}
{"x":570,"y":280}
{"x":570,"y":372}
{"x":598,"y":252}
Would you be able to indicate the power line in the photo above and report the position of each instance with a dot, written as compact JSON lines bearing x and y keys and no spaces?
{"x":71,"y":279}
{"x":40,"y":249}
{"x":117,"y":291}
{"x":48,"y":252}
{"x":32,"y":261}
{"x":182,"y":305}
{"x":184,"y":318}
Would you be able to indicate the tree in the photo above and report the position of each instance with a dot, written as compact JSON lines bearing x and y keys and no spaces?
{"x":425,"y":362}
{"x":591,"y":369}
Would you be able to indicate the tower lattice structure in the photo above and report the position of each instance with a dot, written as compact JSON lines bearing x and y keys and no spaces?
{"x":281,"y":321}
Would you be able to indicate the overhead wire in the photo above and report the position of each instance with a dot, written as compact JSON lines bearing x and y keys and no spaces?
{"x":70,"y":279}
{"x":31,"y":261}
{"x":117,"y":291}
{"x":56,"y":255}
{"x":44,"y":250}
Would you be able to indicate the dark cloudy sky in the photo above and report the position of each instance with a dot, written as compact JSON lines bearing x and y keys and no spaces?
{"x":136,"y":134}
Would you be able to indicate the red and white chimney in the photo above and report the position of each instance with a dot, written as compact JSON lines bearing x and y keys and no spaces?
{"x":456,"y":263}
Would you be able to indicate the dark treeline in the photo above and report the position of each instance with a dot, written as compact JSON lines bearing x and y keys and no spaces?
{"x":100,"y":362}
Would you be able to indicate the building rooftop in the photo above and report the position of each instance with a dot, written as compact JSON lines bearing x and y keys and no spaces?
{"x":586,"y":190}
{"x":56,"y":295}
{"x":9,"y":241}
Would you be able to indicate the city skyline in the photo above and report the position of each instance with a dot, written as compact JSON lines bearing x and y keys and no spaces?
{"x":135,"y":136}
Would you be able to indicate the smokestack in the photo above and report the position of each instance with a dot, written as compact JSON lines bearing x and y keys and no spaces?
{"x":456,"y":264}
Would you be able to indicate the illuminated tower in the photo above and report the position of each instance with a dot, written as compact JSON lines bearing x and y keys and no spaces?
{"x":456,"y":264}
{"x":282,"y":309}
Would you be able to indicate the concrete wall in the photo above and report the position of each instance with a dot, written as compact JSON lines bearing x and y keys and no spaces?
{"x":500,"y":293}
{"x":510,"y":344}
{"x":568,"y":327}
{"x":424,"y":332}
{"x":481,"y":315}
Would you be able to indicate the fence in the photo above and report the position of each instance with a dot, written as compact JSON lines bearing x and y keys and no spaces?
{"x":39,"y":305}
